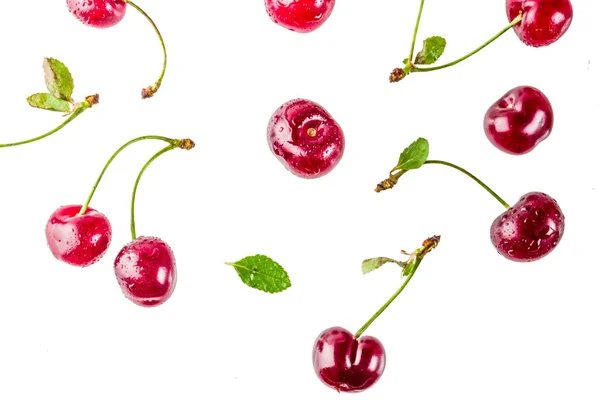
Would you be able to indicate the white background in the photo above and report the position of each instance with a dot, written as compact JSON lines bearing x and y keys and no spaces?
{"x":471,"y":325}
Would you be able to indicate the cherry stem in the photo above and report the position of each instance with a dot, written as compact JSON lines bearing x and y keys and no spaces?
{"x":414,"y":38}
{"x":137,"y":181}
{"x":172,"y":142}
{"x":412,"y":264}
{"x":185,"y":144}
{"x":515,"y":21}
{"x":151,"y":90}
{"x":84,"y":105}
{"x":470,"y":175}
{"x":393,"y":179}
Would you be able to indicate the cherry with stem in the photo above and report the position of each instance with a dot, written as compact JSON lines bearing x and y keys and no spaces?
{"x":107,"y":13}
{"x":527,"y":231}
{"x":145,"y":268}
{"x":537,"y":23}
{"x":353,"y":363}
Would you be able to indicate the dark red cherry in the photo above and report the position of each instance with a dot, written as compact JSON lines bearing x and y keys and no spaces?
{"x":519,"y":120}
{"x":544,"y":21}
{"x":79,"y":240}
{"x":305,"y":138}
{"x":145,"y":270}
{"x":347,"y":364}
{"x":299,"y":15}
{"x":530,"y":229}
{"x":98,"y":13}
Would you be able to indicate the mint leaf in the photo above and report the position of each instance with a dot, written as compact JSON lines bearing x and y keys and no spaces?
{"x":58,"y":79}
{"x":262,"y":273}
{"x":414,"y":156}
{"x":433,"y":48}
{"x":372,"y":264}
{"x":48,"y":102}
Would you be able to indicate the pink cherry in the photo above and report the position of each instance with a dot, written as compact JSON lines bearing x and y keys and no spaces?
{"x":79,"y":240}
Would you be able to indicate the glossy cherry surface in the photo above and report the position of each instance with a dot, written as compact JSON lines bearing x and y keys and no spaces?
{"x":519,"y":120}
{"x":544,"y":21}
{"x":79,"y":240}
{"x":145,"y":269}
{"x":98,"y":13}
{"x":299,"y":15}
{"x":347,"y":364}
{"x":530,"y":229}
{"x":305,"y":138}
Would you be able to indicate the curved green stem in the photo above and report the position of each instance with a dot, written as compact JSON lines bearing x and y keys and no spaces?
{"x":172,"y":142}
{"x":82,"y":107}
{"x":386,"y":305}
{"x":470,"y":175}
{"x":412,"y":266}
{"x":151,"y":90}
{"x":137,"y":181}
{"x":512,"y":23}
{"x":414,"y":38}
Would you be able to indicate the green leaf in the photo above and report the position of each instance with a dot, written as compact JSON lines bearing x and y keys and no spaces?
{"x":433,"y":48}
{"x":58,"y":79}
{"x":414,"y":156}
{"x":262,"y":273}
{"x":372,"y":264}
{"x":48,"y":102}
{"x":405,"y":61}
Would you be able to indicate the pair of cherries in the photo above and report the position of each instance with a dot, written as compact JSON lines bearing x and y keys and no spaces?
{"x":80,"y":236}
{"x":144,"y":268}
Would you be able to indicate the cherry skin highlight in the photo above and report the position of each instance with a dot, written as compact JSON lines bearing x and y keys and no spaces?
{"x":519,"y":120}
{"x":146,"y":272}
{"x":544,"y":21}
{"x":347,"y":364}
{"x":530,"y":229}
{"x":98,"y":13}
{"x":79,"y":240}
{"x":305,"y":138}
{"x":299,"y":15}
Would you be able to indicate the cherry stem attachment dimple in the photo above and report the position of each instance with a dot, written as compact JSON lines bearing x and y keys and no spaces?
{"x":151,"y":90}
{"x":186,"y":144}
{"x":84,"y":105}
{"x":85,"y":206}
{"x":414,"y":38}
{"x":515,"y":21}
{"x":413,"y":263}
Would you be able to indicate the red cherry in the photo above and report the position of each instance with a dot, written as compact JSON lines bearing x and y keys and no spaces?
{"x":98,"y":13}
{"x":519,"y":120}
{"x":299,"y":15}
{"x":530,"y":229}
{"x":305,"y":138}
{"x":347,"y":364}
{"x":544,"y":21}
{"x":79,"y":240}
{"x":145,"y":270}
